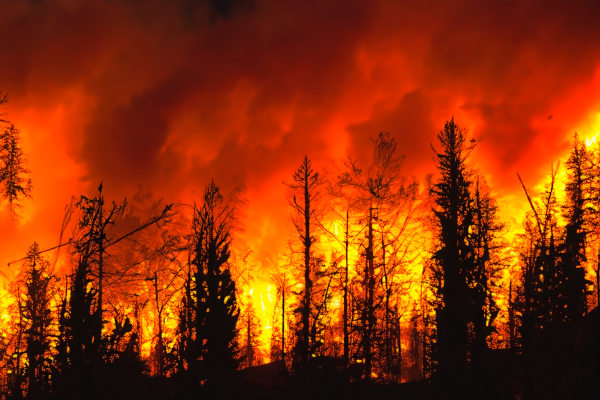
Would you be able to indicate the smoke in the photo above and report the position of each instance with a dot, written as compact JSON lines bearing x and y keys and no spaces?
{"x":166,"y":94}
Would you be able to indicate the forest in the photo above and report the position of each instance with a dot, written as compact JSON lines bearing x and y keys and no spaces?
{"x":391,"y":287}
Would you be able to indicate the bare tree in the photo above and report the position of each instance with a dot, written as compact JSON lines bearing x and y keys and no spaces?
{"x":304,"y":195}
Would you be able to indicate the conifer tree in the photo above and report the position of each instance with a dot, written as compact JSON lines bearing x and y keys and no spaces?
{"x":37,"y":319}
{"x":14,"y":181}
{"x":453,"y":214}
{"x":209,"y":312}
{"x":304,"y":196}
{"x":463,"y":262}
{"x":571,"y":299}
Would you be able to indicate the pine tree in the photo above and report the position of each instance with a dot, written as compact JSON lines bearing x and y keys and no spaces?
{"x":37,"y":319}
{"x":13,"y":174}
{"x":454,"y":217}
{"x":209,"y":312}
{"x":483,"y":272}
{"x":82,"y":348}
{"x":572,"y":294}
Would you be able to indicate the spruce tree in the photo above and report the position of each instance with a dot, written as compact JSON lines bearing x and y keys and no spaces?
{"x":453,"y":215}
{"x":464,"y":263}
{"x":209,"y":312}
{"x":571,"y":296}
{"x":37,"y":315}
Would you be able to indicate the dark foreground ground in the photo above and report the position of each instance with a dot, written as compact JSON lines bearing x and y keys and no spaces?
{"x":564,"y":365}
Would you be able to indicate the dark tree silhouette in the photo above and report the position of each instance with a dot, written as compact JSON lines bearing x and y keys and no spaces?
{"x":539,"y":257}
{"x":304,"y":194}
{"x":250,"y":328}
{"x":82,"y":347}
{"x":383,"y":196}
{"x":209,"y":311}
{"x":453,"y":215}
{"x":15,"y":183}
{"x":483,"y":272}
{"x":572,"y":295}
{"x":466,"y":225}
{"x":29,"y":373}
{"x":37,"y":319}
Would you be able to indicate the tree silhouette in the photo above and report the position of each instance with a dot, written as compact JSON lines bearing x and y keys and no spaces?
{"x":539,"y":256}
{"x":466,"y":225}
{"x":483,"y":273}
{"x":13,"y":174}
{"x":572,"y":295}
{"x":453,"y":216}
{"x":387,"y":204}
{"x":82,"y":347}
{"x":304,"y":194}
{"x":37,"y":320}
{"x":209,"y":311}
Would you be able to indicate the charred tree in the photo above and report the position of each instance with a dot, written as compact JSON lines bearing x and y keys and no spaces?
{"x":14,"y":179}
{"x":382,"y":196}
{"x":303,"y":197}
{"x":37,"y":318}
{"x":209,"y":314}
{"x":453,"y":216}
{"x":467,"y":227}
{"x":572,"y":294}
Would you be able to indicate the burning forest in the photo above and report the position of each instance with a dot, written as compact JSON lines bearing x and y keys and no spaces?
{"x":261,"y":199}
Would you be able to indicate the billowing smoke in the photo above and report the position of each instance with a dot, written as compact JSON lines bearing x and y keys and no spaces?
{"x":165,"y":94}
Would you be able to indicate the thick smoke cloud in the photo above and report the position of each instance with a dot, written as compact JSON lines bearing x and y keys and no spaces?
{"x":165,"y":94}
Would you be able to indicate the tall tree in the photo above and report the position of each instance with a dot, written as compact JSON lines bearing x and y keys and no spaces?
{"x":305,"y":192}
{"x":572,"y":296}
{"x":539,"y":258}
{"x":209,"y":312}
{"x":386,"y":202}
{"x":466,"y":227}
{"x":82,"y":346}
{"x":37,"y":319}
{"x":484,"y":271}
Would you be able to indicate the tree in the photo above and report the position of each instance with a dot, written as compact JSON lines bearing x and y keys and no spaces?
{"x":13,"y":173}
{"x":37,"y":319}
{"x":84,"y":350}
{"x":250,"y":326}
{"x":387,"y":205}
{"x":572,"y":295}
{"x":484,"y":271}
{"x":304,"y":194}
{"x":539,"y":257}
{"x":209,"y":312}
{"x":466,"y":225}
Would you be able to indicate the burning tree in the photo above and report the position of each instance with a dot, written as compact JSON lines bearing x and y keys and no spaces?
{"x":250,"y":328}
{"x":554,"y":290}
{"x":539,"y":257}
{"x":466,"y":223}
{"x":387,"y":203}
{"x":13,"y":173}
{"x":304,"y":194}
{"x":38,"y":320}
{"x":209,"y":311}
{"x":31,"y":355}
{"x":82,"y":345}
{"x":572,"y":298}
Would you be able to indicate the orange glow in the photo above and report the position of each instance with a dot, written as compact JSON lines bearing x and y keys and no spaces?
{"x":163,"y":101}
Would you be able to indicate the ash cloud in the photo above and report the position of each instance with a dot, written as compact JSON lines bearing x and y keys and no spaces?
{"x":168,"y":93}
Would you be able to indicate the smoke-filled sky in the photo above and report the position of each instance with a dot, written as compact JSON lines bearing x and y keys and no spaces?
{"x":164,"y":94}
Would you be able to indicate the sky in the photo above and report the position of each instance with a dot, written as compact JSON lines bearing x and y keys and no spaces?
{"x":161,"y":96}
